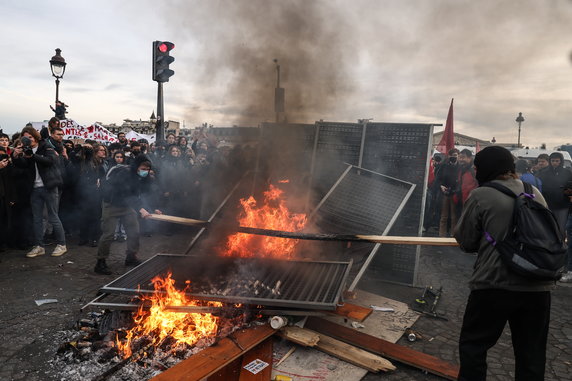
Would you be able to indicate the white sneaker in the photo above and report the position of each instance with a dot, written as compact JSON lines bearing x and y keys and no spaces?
{"x":567,"y":277}
{"x":36,"y":250}
{"x":59,"y":250}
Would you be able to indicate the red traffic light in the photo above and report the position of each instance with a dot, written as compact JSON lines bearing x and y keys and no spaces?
{"x":164,"y":47}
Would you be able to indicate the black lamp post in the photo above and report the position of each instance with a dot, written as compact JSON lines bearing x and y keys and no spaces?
{"x":58,"y":66}
{"x":519,"y":120}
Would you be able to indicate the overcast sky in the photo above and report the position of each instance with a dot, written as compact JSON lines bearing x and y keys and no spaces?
{"x":393,"y":61}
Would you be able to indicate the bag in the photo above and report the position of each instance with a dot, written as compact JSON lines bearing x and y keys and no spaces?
{"x":534,"y":248}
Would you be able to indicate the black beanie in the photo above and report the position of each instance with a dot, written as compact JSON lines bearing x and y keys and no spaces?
{"x":492,"y":162}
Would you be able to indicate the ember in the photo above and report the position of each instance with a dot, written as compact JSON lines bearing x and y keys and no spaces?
{"x":158,"y":324}
{"x":273,"y":214}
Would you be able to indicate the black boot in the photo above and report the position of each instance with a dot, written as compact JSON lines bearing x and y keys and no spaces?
{"x":101,"y":267}
{"x":132,"y":260}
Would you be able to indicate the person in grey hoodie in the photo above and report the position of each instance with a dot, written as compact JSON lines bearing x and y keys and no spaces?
{"x":499,"y":295}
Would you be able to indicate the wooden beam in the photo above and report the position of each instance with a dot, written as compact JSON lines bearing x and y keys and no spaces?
{"x":300,"y":336}
{"x":231,"y":372}
{"x":385,"y":348}
{"x":212,"y":359}
{"x":353,"y":311}
{"x":398,"y":240}
{"x":353,"y":355}
{"x":262,"y":351}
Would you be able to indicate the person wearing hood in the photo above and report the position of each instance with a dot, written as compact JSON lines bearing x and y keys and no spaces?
{"x":447,"y":178}
{"x":498,"y":294}
{"x":126,"y":194}
{"x":555,"y":181}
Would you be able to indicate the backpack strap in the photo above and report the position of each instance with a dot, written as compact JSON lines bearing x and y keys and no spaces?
{"x":501,"y":188}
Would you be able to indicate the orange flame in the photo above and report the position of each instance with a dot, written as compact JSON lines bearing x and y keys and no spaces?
{"x":157,"y":323}
{"x":274,"y":215}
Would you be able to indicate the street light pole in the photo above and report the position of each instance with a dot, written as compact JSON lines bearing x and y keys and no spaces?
{"x":519,"y":120}
{"x":58,"y":66}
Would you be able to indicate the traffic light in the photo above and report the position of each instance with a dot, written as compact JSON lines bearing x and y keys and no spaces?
{"x":161,"y":60}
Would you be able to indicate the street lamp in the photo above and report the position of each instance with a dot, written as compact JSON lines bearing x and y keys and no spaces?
{"x":58,"y":66}
{"x":519,"y":119}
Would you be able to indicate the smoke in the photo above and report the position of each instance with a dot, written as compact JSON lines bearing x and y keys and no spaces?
{"x":237,"y":42}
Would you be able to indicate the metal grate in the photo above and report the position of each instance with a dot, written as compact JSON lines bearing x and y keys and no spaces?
{"x":266,"y":282}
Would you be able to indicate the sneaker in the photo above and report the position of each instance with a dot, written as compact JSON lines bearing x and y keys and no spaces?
{"x":59,"y":250}
{"x":567,"y":277}
{"x":101,"y":267}
{"x":132,"y":260}
{"x":36,"y":250}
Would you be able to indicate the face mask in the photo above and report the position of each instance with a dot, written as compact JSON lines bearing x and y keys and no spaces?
{"x":142,"y":173}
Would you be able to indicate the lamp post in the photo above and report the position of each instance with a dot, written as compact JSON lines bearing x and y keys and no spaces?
{"x":519,"y":119}
{"x":58,"y":66}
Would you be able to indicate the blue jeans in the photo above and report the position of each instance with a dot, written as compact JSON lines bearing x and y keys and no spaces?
{"x":49,"y":198}
{"x":569,"y":234}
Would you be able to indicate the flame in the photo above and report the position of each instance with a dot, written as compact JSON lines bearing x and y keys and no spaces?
{"x":274,"y":215}
{"x":158,"y":324}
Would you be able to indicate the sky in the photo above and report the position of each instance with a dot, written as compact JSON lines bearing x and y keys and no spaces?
{"x":388,"y":60}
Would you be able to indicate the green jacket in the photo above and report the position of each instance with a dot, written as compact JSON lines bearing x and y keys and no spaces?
{"x":489,"y":210}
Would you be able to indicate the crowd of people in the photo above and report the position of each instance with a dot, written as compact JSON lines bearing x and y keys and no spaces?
{"x":53,"y":190}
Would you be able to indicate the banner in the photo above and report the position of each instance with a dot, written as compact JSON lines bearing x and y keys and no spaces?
{"x":132,"y":135}
{"x":72,"y":131}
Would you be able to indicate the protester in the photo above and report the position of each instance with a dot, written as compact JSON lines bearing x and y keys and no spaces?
{"x":173,"y":169}
{"x":38,"y":158}
{"x":555,"y":178}
{"x":523,"y":171}
{"x":467,"y":181}
{"x":125,"y":195}
{"x":122,"y":140}
{"x":497,"y":294}
{"x":447,"y":180}
{"x":542,"y":162}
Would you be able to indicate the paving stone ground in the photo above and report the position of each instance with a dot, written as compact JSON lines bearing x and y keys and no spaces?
{"x":29,"y":333}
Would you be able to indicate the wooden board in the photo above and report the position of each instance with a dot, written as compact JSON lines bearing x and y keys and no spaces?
{"x":212,"y":359}
{"x":389,"y":326}
{"x":353,"y":355}
{"x":353,"y":311}
{"x":300,"y":336}
{"x":262,"y":351}
{"x":433,"y":241}
{"x":384,"y":348}
{"x":231,"y":372}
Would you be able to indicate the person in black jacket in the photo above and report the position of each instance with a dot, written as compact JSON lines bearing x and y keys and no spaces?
{"x":125,"y":195}
{"x":45,"y":178}
{"x":447,"y":179}
{"x":554,"y":181}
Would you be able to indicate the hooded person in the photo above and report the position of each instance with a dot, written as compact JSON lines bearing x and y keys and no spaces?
{"x":498,"y":294}
{"x":555,"y":181}
{"x":127,"y":193}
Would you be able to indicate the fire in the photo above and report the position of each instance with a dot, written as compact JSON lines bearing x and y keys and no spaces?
{"x":274,"y":215}
{"x":158,"y":324}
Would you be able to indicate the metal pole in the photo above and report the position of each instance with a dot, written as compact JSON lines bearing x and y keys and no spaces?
{"x":160,"y":125}
{"x":57,"y":90}
{"x":518,"y":144}
{"x":277,"y":86}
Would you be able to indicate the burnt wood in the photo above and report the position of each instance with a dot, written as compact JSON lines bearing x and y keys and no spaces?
{"x":385,"y":348}
{"x":262,"y":351}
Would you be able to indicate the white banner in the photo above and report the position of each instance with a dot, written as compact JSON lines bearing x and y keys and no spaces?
{"x":72,"y":130}
{"x":132,"y":135}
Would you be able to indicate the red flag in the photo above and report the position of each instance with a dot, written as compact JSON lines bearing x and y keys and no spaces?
{"x":477,"y":147}
{"x":448,"y":140}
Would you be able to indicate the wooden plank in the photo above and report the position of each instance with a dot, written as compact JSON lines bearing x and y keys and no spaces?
{"x":432,"y":241}
{"x":262,"y":351}
{"x":300,"y":336}
{"x":212,"y":359}
{"x":385,"y":348}
{"x":231,"y":372}
{"x":353,"y":311}
{"x":353,"y":355}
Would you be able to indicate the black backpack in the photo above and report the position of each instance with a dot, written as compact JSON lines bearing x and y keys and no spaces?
{"x":534,"y":248}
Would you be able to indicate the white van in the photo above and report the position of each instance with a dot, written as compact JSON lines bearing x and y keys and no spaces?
{"x":532,"y":154}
